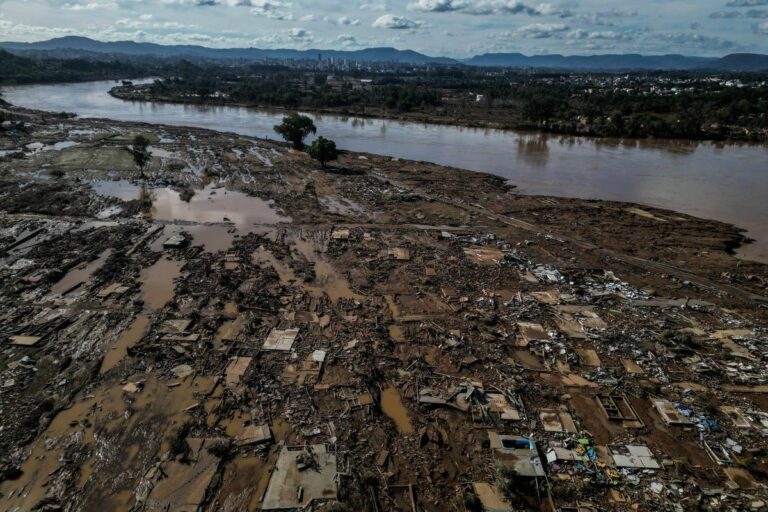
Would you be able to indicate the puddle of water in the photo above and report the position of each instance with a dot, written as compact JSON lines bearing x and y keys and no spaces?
{"x":95,"y":224}
{"x":281,"y":430}
{"x":239,"y":478}
{"x":392,"y":406}
{"x":264,"y":257}
{"x":128,"y":338}
{"x":396,"y":333}
{"x":157,"y":287}
{"x":393,"y":307}
{"x":77,"y":132}
{"x":36,"y":147}
{"x":213,"y":238}
{"x":212,"y":204}
{"x":120,"y":189}
{"x":63,"y":145}
{"x":333,"y":283}
{"x":228,"y":331}
{"x":160,"y":152}
{"x":80,"y":274}
{"x":327,"y":279}
{"x":342,"y":206}
{"x":231,"y":309}
{"x":215,"y":205}
{"x":234,"y":425}
{"x":110,"y":211}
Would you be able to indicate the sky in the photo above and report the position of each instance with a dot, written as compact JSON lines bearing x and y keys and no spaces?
{"x":452,"y":28}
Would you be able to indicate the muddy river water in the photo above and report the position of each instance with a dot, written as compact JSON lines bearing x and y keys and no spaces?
{"x":717,"y":181}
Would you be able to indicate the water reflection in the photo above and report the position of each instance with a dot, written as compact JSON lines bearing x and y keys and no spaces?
{"x":533,"y":150}
{"x":211,"y":204}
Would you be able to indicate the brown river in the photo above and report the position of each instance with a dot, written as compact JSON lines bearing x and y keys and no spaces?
{"x":711,"y":180}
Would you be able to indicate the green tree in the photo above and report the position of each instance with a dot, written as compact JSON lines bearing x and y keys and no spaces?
{"x":323,"y":150}
{"x":140,"y":151}
{"x":295,"y":128}
{"x":539,"y":109}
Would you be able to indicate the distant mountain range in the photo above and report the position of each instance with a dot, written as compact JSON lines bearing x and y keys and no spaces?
{"x":83,"y":46}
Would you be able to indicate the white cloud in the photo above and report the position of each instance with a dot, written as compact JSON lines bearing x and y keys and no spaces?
{"x":24,"y":32}
{"x":299,"y":33}
{"x":600,"y":34}
{"x":438,"y":5}
{"x":551,"y":10}
{"x":145,"y":22}
{"x":342,"y":20}
{"x":375,"y":6}
{"x":193,"y":3}
{"x":694,"y":41}
{"x":397,"y":22}
{"x":347,"y":40}
{"x":541,"y":30}
{"x":273,"y":10}
{"x":746,"y":3}
{"x":87,"y":7}
{"x":725,"y":14}
{"x":610,"y":18}
{"x":488,"y":7}
{"x":761,"y":28}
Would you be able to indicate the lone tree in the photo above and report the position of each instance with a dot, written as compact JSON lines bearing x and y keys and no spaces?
{"x":323,"y":150}
{"x":141,"y":156}
{"x":295,"y":128}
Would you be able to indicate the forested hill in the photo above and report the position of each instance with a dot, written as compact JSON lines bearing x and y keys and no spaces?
{"x":80,"y":46}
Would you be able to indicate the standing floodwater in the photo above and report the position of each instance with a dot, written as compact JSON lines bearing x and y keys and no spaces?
{"x":724,"y":182}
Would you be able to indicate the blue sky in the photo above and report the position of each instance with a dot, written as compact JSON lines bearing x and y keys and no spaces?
{"x":455,"y":28}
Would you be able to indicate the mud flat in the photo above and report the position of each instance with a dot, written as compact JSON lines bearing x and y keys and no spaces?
{"x":379,"y":335}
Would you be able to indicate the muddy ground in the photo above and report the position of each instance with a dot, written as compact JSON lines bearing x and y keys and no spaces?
{"x":165,"y":338}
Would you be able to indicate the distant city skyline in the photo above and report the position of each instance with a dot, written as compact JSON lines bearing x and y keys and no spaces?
{"x":452,"y":28}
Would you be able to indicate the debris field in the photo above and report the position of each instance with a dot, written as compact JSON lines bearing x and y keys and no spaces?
{"x":239,"y":329}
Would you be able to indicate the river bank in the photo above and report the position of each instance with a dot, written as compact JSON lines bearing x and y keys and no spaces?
{"x":462,"y":117}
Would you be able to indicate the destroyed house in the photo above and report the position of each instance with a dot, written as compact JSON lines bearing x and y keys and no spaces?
{"x":518,"y":454}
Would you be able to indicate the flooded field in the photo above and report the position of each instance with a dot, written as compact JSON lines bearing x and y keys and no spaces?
{"x":708,"y":180}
